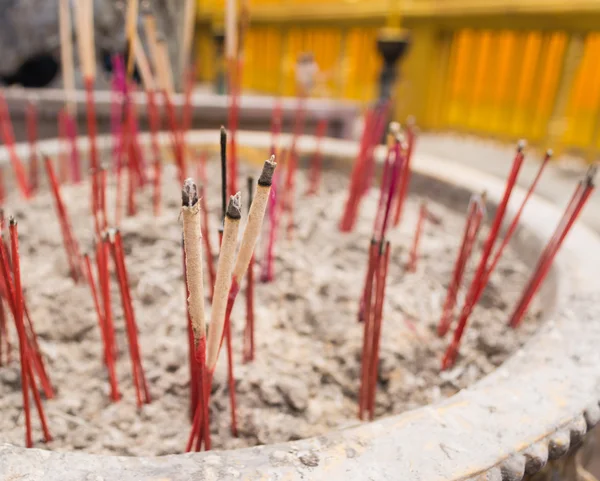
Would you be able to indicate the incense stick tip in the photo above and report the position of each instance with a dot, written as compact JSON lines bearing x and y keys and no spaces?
{"x":549,"y":153}
{"x":266,"y":176}
{"x":234,"y":209}
{"x":590,"y":174}
{"x":521,"y":144}
{"x":12,"y":220}
{"x":189,"y":193}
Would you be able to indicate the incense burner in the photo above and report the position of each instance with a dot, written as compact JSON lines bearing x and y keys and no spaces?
{"x":533,"y":409}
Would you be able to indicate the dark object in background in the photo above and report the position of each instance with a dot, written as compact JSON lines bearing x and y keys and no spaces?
{"x":108,"y":66}
{"x":37,"y":71}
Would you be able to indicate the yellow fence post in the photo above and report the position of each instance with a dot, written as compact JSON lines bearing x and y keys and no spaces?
{"x":558,"y":121}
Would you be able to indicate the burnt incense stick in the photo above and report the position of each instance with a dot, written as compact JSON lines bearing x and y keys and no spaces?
{"x":224,"y":278}
{"x":192,"y":236}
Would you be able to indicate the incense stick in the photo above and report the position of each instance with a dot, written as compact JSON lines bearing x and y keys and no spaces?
{"x":412,"y":262}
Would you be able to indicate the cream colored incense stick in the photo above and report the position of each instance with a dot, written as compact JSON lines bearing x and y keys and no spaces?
{"x":144,"y":67}
{"x":165,"y":65}
{"x":230,"y":29}
{"x":91,"y":48}
{"x":189,"y":20}
{"x":151,"y":39}
{"x":131,"y":32}
{"x":255,"y":220}
{"x":82,"y":23}
{"x":66,"y":53}
{"x":223,"y":280}
{"x":192,"y":243}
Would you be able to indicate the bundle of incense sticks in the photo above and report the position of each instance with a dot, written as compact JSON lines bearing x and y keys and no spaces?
{"x":412,"y":262}
{"x":26,"y":356}
{"x":107,"y":326}
{"x":69,"y":240}
{"x":578,"y":200}
{"x":485,"y":269}
{"x":108,"y":349}
{"x":393,"y":164}
{"x":475,"y":215}
{"x":362,"y":170}
{"x":113,"y":238}
{"x":32,"y":136}
{"x":8,"y":137}
{"x":405,"y":174}
{"x":314,"y":175}
{"x":230,"y":272}
{"x":372,"y":329}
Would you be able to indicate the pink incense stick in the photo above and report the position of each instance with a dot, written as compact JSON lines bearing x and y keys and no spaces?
{"x":8,"y":137}
{"x":32,"y":137}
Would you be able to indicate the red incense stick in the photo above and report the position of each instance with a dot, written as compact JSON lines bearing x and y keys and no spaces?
{"x":141,"y":385}
{"x":8,"y":137}
{"x":63,"y":164}
{"x":70,"y":243}
{"x":32,"y":136}
{"x":405,"y":174}
{"x":5,"y":345}
{"x":108,"y":357}
{"x":412,"y":263}
{"x":25,"y":355}
{"x":316,"y":160}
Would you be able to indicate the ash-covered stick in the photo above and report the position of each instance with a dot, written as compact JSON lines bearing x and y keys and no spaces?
{"x":32,"y":137}
{"x":412,"y":262}
{"x":192,"y":239}
{"x":222,"y":286}
{"x":108,"y":358}
{"x":249,"y":329}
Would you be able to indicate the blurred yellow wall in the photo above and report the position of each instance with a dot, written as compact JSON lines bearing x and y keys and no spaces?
{"x":472,"y":67}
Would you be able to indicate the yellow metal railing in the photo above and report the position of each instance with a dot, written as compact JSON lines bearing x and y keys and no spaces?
{"x":471,"y":67}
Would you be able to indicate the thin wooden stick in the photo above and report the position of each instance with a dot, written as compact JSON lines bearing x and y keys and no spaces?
{"x":189,"y":20}
{"x":131,"y":34}
{"x":316,"y":160}
{"x":66,"y":53}
{"x":412,"y":262}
